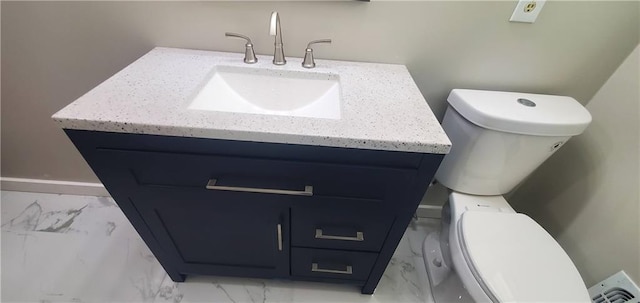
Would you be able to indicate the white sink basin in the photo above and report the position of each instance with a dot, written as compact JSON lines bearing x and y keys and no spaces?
{"x":270,"y":92}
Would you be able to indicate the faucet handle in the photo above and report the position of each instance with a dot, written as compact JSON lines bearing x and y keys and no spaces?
{"x":308,"y":61}
{"x":249,"y":55}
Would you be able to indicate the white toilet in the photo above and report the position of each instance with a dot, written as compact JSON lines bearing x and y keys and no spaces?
{"x":499,"y":255}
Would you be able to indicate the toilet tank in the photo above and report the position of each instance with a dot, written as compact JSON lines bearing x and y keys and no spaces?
{"x":499,"y":138}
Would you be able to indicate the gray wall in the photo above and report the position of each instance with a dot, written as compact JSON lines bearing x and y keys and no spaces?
{"x":53,"y":52}
{"x":587,"y":195}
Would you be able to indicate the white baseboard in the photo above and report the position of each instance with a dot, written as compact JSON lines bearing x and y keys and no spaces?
{"x":429,"y":211}
{"x":53,"y":187}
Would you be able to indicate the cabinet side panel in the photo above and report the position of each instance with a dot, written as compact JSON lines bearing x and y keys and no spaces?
{"x":119,"y":189}
{"x":427,"y":170}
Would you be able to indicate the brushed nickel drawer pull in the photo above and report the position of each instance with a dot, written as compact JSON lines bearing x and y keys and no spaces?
{"x":279,"y":227}
{"x":348,"y":271}
{"x":308,"y":190}
{"x":359,"y":236}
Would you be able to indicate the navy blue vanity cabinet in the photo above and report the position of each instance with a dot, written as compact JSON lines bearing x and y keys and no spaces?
{"x":268,"y":210}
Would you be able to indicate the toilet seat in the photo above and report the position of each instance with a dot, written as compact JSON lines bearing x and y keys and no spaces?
{"x":515,"y":260}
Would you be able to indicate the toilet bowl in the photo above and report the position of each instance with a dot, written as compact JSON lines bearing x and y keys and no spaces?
{"x":504,"y":256}
{"x":499,"y":255}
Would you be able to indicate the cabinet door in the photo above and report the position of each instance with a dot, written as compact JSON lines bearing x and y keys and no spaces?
{"x":219,"y":234}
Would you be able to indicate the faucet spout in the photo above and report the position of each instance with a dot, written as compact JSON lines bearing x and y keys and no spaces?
{"x":275,"y":30}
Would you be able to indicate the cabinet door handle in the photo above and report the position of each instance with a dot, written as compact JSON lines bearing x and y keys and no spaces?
{"x":319,"y":235}
{"x":308,"y":189}
{"x":348,"y":271}
{"x":279,"y":228}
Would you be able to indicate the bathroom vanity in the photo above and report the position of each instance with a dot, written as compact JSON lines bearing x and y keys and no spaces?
{"x":272,"y":194}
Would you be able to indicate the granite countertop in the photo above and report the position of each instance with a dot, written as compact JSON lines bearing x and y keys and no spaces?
{"x":382,"y":108}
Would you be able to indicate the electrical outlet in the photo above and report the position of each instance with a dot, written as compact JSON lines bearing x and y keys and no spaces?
{"x":530,"y":6}
{"x":527,"y":11}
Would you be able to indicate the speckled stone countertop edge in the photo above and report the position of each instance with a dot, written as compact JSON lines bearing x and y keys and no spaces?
{"x":256,"y":136}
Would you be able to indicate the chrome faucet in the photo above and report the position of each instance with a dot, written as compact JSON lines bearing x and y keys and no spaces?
{"x":274,"y":30}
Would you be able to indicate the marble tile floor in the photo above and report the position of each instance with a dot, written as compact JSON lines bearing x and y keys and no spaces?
{"x":62,"y":248}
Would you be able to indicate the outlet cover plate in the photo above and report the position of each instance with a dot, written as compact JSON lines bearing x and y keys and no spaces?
{"x":522,"y":14}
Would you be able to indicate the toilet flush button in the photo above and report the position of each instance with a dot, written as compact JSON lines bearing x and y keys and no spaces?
{"x":526,"y":102}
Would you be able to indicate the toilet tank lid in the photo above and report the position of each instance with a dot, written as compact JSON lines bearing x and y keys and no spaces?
{"x":521,"y":113}
{"x":517,"y":260}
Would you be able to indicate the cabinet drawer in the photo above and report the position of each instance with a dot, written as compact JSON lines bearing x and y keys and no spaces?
{"x":337,"y":264}
{"x":352,"y":227}
{"x":308,"y":180}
